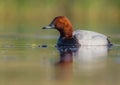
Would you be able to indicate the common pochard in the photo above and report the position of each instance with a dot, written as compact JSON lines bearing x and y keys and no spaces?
{"x":69,"y":37}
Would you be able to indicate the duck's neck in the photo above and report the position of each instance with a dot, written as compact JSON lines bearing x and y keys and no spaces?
{"x":66,"y":33}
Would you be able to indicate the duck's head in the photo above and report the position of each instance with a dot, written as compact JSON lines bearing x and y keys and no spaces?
{"x":63,"y":25}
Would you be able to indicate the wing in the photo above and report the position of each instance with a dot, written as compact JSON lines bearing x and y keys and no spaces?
{"x":85,"y":37}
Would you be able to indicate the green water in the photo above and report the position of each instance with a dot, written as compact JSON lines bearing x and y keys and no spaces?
{"x":32,"y":60}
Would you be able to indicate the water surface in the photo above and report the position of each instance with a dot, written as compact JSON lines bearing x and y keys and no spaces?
{"x":35,"y":60}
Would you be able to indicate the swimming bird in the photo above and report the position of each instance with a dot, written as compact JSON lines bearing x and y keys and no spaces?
{"x":68,"y":37}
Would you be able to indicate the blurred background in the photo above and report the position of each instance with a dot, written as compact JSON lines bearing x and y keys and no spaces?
{"x":27,"y":52}
{"x":28,"y":16}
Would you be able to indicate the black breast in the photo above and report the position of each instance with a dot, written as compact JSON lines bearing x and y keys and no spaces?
{"x":72,"y":42}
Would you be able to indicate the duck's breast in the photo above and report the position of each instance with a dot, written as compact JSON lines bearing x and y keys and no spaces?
{"x":85,"y":37}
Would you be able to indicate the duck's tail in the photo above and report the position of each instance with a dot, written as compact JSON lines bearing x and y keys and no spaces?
{"x":109,"y":43}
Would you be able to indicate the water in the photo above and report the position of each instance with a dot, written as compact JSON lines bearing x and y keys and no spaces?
{"x":36,"y":61}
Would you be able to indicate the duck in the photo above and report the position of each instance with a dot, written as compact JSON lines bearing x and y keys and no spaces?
{"x":69,"y":37}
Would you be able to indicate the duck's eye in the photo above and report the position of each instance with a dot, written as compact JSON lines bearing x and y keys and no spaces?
{"x":55,"y":25}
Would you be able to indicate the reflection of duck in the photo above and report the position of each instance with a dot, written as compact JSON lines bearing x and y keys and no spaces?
{"x":63,"y":68}
{"x":66,"y":56}
{"x":85,"y":58}
{"x":90,"y":53}
{"x":79,"y":37}
{"x":90,"y":59}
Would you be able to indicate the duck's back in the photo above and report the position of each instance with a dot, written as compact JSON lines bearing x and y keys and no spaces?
{"x":85,"y":37}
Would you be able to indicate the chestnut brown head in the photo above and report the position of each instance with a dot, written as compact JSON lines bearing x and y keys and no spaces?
{"x":63,"y":25}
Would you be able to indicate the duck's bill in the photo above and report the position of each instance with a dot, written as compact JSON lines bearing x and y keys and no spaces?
{"x":48,"y":27}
